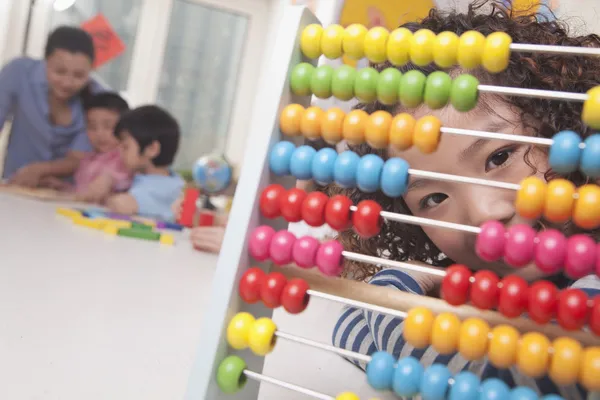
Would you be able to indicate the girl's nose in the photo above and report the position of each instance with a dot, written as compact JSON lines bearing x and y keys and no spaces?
{"x":486,"y":204}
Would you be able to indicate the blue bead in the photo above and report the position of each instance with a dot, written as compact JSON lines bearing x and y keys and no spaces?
{"x":301,"y":162}
{"x":407,"y":377}
{"x":380,"y":370}
{"x":494,"y":389}
{"x":344,"y":170}
{"x":435,"y":382}
{"x":394,"y":177}
{"x":465,"y":387}
{"x":368,"y":173}
{"x":590,"y":157}
{"x":523,"y":393}
{"x":565,"y":152}
{"x":279,"y":159}
{"x":552,"y":397}
{"x":322,"y":165}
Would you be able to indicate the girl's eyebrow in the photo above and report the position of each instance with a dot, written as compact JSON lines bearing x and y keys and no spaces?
{"x":472,"y":149}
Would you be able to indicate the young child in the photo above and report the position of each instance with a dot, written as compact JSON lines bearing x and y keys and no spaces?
{"x":367,"y":332}
{"x":149,"y":141}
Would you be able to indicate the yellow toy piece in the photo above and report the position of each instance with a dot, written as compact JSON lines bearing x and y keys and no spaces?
{"x":331,"y":41}
{"x":376,"y":44}
{"x":347,"y":396}
{"x":67,"y":212}
{"x":310,"y":41}
{"x":445,"y":49}
{"x":261,"y":337}
{"x":496,"y":52}
{"x":238,"y":330}
{"x":96,"y":223}
{"x":470,"y":49}
{"x":111,"y":230}
{"x":421,"y":47}
{"x":167,"y":239}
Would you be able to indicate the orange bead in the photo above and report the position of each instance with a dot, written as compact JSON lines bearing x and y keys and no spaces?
{"x":310,"y":124}
{"x":589,"y":373}
{"x":445,"y":333}
{"x":401,"y":131}
{"x":504,"y":345}
{"x":427,"y":134}
{"x":586,"y":213}
{"x":474,"y":338}
{"x":566,"y":361}
{"x":533,"y":357}
{"x":332,"y":125}
{"x":377,"y":129}
{"x":418,"y":326}
{"x":289,"y":120}
{"x":531,"y":197}
{"x":559,"y":200}
{"x":354,"y":126}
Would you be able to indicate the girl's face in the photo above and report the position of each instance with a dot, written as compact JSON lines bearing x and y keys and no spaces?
{"x":67,"y":73}
{"x":101,"y":124}
{"x":471,"y":204}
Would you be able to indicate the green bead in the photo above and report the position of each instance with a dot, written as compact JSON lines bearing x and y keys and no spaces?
{"x":342,"y":84}
{"x":141,"y":226}
{"x":437,"y":90}
{"x":320,"y":83}
{"x":388,"y":86}
{"x":300,"y":79}
{"x":464,"y":93}
{"x":139,"y":233}
{"x":412,"y":88}
{"x":365,"y":85}
{"x":230,"y":374}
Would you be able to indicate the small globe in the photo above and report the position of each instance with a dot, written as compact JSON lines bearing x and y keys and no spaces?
{"x":212,"y":174}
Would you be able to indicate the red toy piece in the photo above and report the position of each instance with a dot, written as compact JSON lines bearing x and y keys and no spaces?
{"x":291,"y":204}
{"x":313,"y":208}
{"x":272,"y":289}
{"x":366,"y":218}
{"x":188,"y":207}
{"x":270,"y":201}
{"x":294,"y":297}
{"x":513,"y":296}
{"x":456,"y":285}
{"x":337,"y":212}
{"x":542,"y":301}
{"x":250,"y":285}
{"x":572,"y":312}
{"x":484,"y":291}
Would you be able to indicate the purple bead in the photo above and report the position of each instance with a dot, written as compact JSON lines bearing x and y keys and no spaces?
{"x":329,"y":258}
{"x":581,"y":256}
{"x":281,"y":247}
{"x":550,"y":251}
{"x":519,"y":246}
{"x":305,"y":251}
{"x":489,"y":245}
{"x":260,"y":242}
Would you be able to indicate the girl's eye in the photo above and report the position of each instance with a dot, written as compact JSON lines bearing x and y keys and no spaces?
{"x":498,"y":159}
{"x":432,"y":200}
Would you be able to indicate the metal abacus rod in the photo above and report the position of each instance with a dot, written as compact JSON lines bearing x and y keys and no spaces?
{"x":535,"y":93}
{"x":553,"y":49}
{"x":286,"y":385}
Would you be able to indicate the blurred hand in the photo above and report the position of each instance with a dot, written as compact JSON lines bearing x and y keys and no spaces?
{"x":207,"y":238}
{"x":429,"y":283}
{"x":28,"y":176}
{"x":176,"y":207}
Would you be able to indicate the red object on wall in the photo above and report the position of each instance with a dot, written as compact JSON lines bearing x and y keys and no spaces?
{"x":188,"y":207}
{"x":107,"y":44}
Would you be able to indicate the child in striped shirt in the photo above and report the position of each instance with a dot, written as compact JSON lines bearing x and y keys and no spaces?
{"x":366,"y":332}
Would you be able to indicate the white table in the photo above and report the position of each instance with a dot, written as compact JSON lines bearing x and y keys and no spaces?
{"x":85,"y":316}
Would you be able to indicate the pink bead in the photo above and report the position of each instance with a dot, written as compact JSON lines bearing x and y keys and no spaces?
{"x":598,"y":260}
{"x":550,"y":251}
{"x":281,"y":247}
{"x":489,"y":245}
{"x":519,"y":246}
{"x":581,"y":256}
{"x":329,"y":258}
{"x":260,"y":241}
{"x":305,"y":251}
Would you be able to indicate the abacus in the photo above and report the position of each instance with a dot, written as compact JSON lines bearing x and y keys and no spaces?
{"x":262,"y":262}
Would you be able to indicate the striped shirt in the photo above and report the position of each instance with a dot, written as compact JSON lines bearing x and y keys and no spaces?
{"x":366,"y":332}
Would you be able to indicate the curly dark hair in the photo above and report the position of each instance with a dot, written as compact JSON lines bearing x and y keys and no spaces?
{"x":543,"y":117}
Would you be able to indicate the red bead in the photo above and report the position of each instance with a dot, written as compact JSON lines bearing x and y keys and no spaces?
{"x":337,"y":212}
{"x":484,"y":290}
{"x":456,"y":285}
{"x":542,"y":302}
{"x":572,"y":312}
{"x":250,"y":284}
{"x":313,"y":208}
{"x":291,"y":204}
{"x":294,"y":297}
{"x":270,"y":201}
{"x":272,"y":289}
{"x":594,"y":322}
{"x":366,"y":218}
{"x":513,"y":296}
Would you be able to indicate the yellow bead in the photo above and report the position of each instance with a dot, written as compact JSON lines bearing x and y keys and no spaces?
{"x":418,"y":326}
{"x":445,"y":49}
{"x":331,"y":41}
{"x":310,"y":123}
{"x":261,"y":337}
{"x":377,"y":129}
{"x":531,"y":197}
{"x":332,"y":125}
{"x":398,"y":46}
{"x":496,"y":52}
{"x":401,"y":131}
{"x":566,"y":361}
{"x":376,"y":44}
{"x":354,"y":126}
{"x":238,"y":329}
{"x":586,"y":213}
{"x":166,"y":239}
{"x":347,"y":396}
{"x":427,"y":134}
{"x":354,"y":41}
{"x":445,"y":333}
{"x":591,"y":108}
{"x":310,"y":41}
{"x":504,"y":345}
{"x":533,"y":356}
{"x":474,"y":338}
{"x":559,"y":200}
{"x":589,"y":373}
{"x":470,"y":49}
{"x":421,"y":47}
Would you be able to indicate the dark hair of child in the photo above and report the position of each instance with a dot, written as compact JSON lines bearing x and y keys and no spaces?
{"x":107,"y":100}
{"x":71,"y":39}
{"x":148,"y":124}
{"x":545,"y":118}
